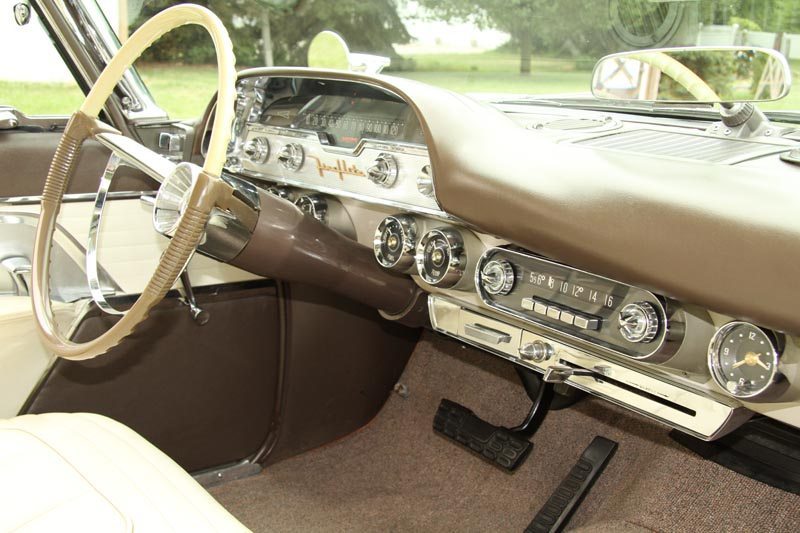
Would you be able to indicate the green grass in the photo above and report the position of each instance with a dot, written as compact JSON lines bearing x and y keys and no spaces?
{"x":184,"y":91}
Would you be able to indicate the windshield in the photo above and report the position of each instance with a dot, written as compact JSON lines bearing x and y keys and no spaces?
{"x":513,"y":48}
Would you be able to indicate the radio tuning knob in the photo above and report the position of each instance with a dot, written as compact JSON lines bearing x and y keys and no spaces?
{"x":291,"y":156}
{"x":497,"y":277}
{"x":425,"y":181}
{"x":638,"y":322}
{"x":383,"y":171}
{"x":257,"y":150}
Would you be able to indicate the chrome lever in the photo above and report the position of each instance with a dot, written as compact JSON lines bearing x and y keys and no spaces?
{"x":560,"y":373}
{"x":198,"y":315}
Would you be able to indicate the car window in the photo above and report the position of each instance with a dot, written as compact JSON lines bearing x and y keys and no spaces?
{"x":33,"y":77}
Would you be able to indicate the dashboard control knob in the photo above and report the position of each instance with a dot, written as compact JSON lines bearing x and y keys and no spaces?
{"x":497,"y":277}
{"x":257,"y":149}
{"x":441,"y":258}
{"x":638,"y":322}
{"x":292,"y":156}
{"x":425,"y":182}
{"x":395,"y":242}
{"x":383,"y":171}
{"x":314,"y":205}
{"x":536,"y":351}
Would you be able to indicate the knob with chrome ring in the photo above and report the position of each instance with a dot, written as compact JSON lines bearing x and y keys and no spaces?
{"x":638,"y":322}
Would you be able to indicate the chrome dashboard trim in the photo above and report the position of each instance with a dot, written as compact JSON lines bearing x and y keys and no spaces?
{"x":704,"y":415}
{"x":300,"y":184}
{"x":666,"y":348}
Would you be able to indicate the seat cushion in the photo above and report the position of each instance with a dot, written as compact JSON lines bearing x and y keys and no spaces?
{"x":85,"y":472}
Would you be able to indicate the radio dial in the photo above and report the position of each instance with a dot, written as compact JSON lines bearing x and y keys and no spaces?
{"x":292,"y":156}
{"x":383,"y":171}
{"x":257,"y":149}
{"x":638,"y":322}
{"x":497,"y":277}
{"x":395,"y":242}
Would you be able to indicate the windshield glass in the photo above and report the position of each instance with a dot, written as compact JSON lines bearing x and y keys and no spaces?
{"x":504,"y":47}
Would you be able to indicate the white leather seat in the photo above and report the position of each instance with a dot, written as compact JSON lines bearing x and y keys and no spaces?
{"x":85,"y":472}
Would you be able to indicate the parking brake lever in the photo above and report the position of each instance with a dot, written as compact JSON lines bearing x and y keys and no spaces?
{"x":197,"y":314}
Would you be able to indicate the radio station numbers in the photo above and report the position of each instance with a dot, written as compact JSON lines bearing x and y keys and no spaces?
{"x":577,"y":291}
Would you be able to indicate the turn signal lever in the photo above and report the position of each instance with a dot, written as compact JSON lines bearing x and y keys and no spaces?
{"x":197,"y":314}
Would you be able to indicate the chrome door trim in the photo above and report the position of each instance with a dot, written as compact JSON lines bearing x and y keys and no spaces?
{"x":75,"y":197}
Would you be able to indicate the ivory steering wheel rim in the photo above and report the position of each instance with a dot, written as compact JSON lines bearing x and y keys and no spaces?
{"x":208,"y":192}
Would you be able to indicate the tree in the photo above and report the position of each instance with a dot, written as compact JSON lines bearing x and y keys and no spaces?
{"x":263,"y":28}
{"x":512,"y":16}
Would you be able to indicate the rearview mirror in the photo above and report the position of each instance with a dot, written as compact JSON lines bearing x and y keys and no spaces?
{"x":693,"y":75}
{"x":329,"y":50}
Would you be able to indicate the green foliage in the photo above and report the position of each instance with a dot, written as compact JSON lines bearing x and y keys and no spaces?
{"x":368,"y":26}
{"x":745,"y":24}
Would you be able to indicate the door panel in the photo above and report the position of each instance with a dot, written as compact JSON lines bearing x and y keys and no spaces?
{"x":25,"y":158}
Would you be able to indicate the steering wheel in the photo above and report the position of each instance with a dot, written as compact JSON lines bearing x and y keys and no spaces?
{"x":206,"y":191}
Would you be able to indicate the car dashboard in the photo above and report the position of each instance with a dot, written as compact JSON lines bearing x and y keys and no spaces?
{"x":435,"y":183}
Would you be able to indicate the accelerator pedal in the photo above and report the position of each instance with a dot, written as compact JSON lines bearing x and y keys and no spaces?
{"x":500,"y":446}
{"x":567,"y":497}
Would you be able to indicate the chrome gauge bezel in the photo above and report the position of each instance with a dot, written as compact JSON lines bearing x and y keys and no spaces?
{"x":453,"y":271}
{"x":777,"y":383}
{"x":408,"y":233}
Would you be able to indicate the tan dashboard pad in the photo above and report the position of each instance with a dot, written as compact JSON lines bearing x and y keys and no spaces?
{"x":670,"y":225}
{"x":208,"y":190}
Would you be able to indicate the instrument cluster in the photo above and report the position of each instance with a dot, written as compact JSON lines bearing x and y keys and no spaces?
{"x":336,"y":137}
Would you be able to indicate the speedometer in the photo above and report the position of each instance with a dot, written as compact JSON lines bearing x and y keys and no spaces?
{"x":743,"y":359}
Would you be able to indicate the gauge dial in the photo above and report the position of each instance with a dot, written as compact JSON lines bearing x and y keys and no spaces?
{"x":395,"y":242}
{"x":743,"y":359}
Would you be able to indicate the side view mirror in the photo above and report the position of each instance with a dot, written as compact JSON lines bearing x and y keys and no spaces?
{"x":22,"y":13}
{"x":693,"y":75}
{"x":329,"y":50}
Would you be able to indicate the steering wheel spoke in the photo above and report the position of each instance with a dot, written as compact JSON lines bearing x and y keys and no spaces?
{"x":137,"y":156}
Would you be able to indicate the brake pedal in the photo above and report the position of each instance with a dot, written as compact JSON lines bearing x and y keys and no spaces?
{"x":567,"y":497}
{"x":498,"y":445}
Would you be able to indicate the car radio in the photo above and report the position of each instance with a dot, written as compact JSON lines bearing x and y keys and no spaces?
{"x":619,"y":317}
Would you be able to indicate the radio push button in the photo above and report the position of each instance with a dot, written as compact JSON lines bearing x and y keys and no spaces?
{"x":587,"y":322}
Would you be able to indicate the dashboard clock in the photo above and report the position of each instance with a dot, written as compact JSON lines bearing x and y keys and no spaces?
{"x":743,"y":359}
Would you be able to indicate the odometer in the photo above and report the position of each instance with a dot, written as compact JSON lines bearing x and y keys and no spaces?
{"x":743,"y":359}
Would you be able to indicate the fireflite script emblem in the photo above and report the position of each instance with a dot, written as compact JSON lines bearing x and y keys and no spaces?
{"x":341,"y":168}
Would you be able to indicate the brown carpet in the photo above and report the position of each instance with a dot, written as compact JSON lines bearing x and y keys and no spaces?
{"x":397,"y":475}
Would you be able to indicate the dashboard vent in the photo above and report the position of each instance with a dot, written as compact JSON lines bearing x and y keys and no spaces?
{"x":684,"y":146}
{"x":574,"y":123}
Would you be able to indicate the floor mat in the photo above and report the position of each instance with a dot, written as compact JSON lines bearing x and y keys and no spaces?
{"x":396,"y":474}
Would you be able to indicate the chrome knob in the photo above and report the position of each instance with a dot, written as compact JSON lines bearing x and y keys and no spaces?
{"x":425,"y":181}
{"x":536,"y":351}
{"x":497,"y":277}
{"x":441,"y":257}
{"x":383,"y":171}
{"x":395,"y":242}
{"x":257,"y":149}
{"x":314,"y":205}
{"x":638,"y":322}
{"x":292,"y":156}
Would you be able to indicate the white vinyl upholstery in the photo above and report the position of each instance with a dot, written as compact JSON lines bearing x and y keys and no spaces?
{"x":85,"y":472}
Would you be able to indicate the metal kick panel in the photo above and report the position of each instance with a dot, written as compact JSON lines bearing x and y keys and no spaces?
{"x":694,"y":413}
